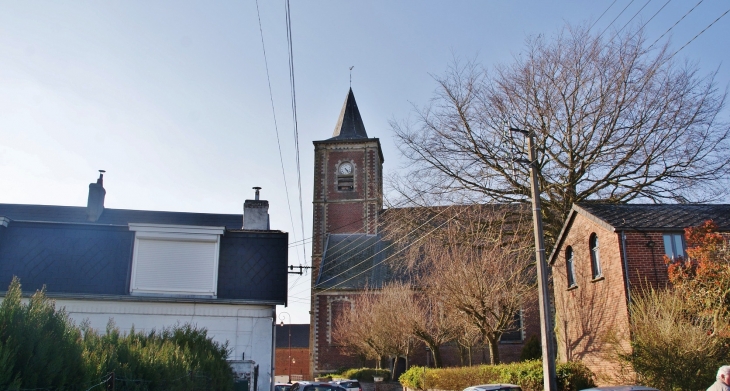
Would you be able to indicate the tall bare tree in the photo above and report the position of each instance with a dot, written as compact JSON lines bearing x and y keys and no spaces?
{"x":484,"y":272}
{"x":433,"y":322}
{"x":615,"y":120}
{"x":379,"y":324}
{"x":476,"y":259}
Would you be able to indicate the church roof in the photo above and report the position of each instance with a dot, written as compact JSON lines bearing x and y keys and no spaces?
{"x":349,"y":125}
{"x":355,"y":261}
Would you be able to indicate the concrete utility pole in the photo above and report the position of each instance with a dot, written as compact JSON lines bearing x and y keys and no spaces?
{"x":548,"y":355}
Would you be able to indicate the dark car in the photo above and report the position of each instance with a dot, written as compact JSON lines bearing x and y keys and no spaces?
{"x":621,"y":388}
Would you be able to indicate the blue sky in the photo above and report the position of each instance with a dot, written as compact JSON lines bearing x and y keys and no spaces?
{"x":171,"y":97}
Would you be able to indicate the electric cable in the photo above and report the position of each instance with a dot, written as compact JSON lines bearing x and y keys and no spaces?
{"x":276,"y":127}
{"x":294,"y":116}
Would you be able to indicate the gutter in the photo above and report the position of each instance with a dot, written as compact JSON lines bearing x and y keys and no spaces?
{"x":626,"y":267}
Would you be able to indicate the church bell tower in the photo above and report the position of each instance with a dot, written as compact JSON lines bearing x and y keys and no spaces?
{"x":348,"y":181}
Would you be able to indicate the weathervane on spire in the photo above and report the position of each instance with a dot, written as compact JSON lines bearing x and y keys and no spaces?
{"x":351,"y":75}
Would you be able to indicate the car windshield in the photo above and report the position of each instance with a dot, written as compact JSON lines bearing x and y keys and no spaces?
{"x":282,"y":387}
{"x":350,"y":384}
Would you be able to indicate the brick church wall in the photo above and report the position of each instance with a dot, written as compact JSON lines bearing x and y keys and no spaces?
{"x":588,"y":313}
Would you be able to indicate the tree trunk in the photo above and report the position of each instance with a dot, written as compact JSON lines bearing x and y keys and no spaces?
{"x":436,"y":354}
{"x":493,"y":350}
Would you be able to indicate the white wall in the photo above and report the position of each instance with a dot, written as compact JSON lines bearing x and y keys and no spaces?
{"x":247,"y":328}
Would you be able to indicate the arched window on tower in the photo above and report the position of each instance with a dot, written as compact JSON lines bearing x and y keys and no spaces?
{"x":570,"y":266}
{"x":595,"y":256}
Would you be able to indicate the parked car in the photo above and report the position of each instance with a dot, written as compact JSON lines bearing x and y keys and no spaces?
{"x":349,"y":385}
{"x":282,"y":387}
{"x":494,"y":387}
{"x":621,"y":388}
{"x":315,"y":386}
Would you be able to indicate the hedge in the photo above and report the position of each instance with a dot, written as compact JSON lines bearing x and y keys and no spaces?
{"x":363,"y":374}
{"x":571,"y":376}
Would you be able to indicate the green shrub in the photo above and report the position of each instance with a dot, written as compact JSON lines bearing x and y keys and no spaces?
{"x":532,"y":349}
{"x":41,"y":348}
{"x":38,"y":344}
{"x":363,"y":374}
{"x":528,"y":374}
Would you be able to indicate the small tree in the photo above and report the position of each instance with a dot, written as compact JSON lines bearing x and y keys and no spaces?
{"x":671,"y":348}
{"x":703,"y":278}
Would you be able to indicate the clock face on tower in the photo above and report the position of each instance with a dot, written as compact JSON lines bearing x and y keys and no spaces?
{"x":345,"y":169}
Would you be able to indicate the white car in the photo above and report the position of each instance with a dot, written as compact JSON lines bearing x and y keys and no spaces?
{"x":494,"y":387}
{"x":349,"y":385}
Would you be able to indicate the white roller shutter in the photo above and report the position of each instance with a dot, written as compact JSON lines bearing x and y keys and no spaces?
{"x":175,"y":260}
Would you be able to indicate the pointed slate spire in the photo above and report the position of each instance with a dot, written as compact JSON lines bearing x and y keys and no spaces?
{"x":349,"y":125}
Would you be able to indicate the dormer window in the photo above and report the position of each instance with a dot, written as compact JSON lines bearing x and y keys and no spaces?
{"x":345,"y":178}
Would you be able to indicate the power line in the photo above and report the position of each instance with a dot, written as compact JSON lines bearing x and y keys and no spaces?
{"x":391,"y":256}
{"x":387,"y":247}
{"x":650,"y":19}
{"x":614,"y":19}
{"x":633,"y":17}
{"x":675,"y":24}
{"x":700,"y":33}
{"x":276,"y":127}
{"x":604,"y":13}
{"x":294,"y":116}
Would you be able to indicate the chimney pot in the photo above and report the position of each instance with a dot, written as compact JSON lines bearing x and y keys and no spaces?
{"x":256,"y":213}
{"x":95,"y":202}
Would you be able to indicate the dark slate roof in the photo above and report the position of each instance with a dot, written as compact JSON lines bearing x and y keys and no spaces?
{"x":299,"y":335}
{"x":56,"y":247}
{"x":349,"y":125}
{"x":76,"y":214}
{"x":354,"y":261}
{"x":658,"y":216}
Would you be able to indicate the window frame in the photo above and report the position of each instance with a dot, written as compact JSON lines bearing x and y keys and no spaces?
{"x":570,"y":267}
{"x":673,"y":237}
{"x":594,"y":248}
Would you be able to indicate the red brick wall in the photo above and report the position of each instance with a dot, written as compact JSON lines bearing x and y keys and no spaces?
{"x":299,"y":366}
{"x":329,"y":357}
{"x":595,"y":309}
{"x":645,"y":257}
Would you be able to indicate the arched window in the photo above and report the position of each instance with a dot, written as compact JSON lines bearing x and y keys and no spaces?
{"x":595,"y":256}
{"x":570,"y":266}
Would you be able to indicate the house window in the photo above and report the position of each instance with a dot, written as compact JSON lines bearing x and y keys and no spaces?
{"x":595,"y":255}
{"x":514,"y":333}
{"x":570,"y":266}
{"x":674,"y":245}
{"x":173,"y":260}
{"x":345,"y":178}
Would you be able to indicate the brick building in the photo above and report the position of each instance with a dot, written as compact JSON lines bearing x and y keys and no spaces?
{"x":604,"y":254}
{"x":292,"y":351}
{"x":348,"y":249}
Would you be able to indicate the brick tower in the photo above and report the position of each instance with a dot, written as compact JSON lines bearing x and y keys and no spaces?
{"x":348,"y":198}
{"x":348,"y":181}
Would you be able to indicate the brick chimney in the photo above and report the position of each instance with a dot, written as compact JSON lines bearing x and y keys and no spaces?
{"x":256,"y":213}
{"x":95,"y":203}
